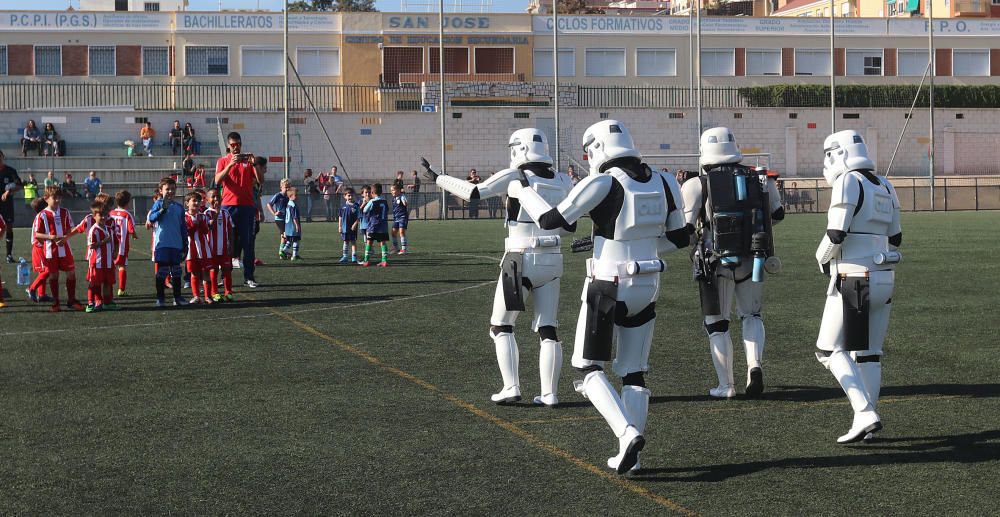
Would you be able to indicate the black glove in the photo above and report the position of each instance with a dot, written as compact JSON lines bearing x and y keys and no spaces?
{"x":582,"y":244}
{"x":826,"y":269}
{"x":428,"y":171}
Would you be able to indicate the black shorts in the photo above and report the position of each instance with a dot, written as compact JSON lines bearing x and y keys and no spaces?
{"x":280,"y":225}
{"x":7,"y":211}
{"x":378,"y":237}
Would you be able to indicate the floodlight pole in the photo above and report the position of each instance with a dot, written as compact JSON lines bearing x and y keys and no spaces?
{"x":698,"y":96}
{"x":285,"y":151}
{"x":441,"y":107}
{"x":930,"y":55}
{"x":555,"y":73}
{"x":833,"y":71}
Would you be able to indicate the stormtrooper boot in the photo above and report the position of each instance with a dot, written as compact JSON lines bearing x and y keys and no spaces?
{"x":550,"y":359}
{"x":753,"y":342}
{"x":722,"y":357}
{"x":866,"y":420}
{"x":609,"y":405}
{"x":507,"y":359}
{"x":636,"y":402}
{"x":870,"y":367}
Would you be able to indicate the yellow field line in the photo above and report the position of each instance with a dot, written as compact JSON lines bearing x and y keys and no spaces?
{"x":558,"y":419}
{"x":499,"y":422}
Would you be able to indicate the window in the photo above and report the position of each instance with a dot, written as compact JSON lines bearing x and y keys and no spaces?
{"x":318,"y":61}
{"x":605,"y":62}
{"x":206,"y":60}
{"x":542,"y":62}
{"x":151,"y":7}
{"x":892,"y":9}
{"x":655,"y":62}
{"x":911,"y":62}
{"x":155,"y":61}
{"x":3,"y":60}
{"x":48,"y":60}
{"x":401,"y":60}
{"x":121,"y":5}
{"x":494,"y":60}
{"x":812,"y":62}
{"x":718,"y":62}
{"x":763,"y":61}
{"x":261,"y":61}
{"x":456,"y":60}
{"x":970,"y":62}
{"x":864,"y":62}
{"x":845,"y":9}
{"x":996,"y":2}
{"x":102,"y":60}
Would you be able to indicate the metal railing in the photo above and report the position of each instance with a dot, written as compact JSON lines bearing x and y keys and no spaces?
{"x":951,"y":193}
{"x":408,"y":97}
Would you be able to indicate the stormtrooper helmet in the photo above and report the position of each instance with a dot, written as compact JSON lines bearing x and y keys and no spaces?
{"x":528,"y":145}
{"x":605,"y":141}
{"x":844,"y":151}
{"x":718,"y":147}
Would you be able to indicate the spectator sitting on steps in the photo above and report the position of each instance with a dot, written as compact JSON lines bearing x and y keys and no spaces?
{"x":146,"y":134}
{"x":69,"y":187}
{"x":50,"y":180}
{"x":31,"y":138}
{"x":51,"y":139}
{"x":176,"y":138}
{"x":92,"y":185}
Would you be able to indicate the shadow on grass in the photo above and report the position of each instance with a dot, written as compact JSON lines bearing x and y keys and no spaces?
{"x":816,"y":393}
{"x":244,"y":303}
{"x":961,"y":448}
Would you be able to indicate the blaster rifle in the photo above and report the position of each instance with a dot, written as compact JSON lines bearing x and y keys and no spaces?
{"x":704,"y":265}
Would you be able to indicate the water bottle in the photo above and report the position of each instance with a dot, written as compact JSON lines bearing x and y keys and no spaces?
{"x":23,"y":272}
{"x":741,"y":187}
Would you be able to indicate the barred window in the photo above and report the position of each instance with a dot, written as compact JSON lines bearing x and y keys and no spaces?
{"x":3,"y":60}
{"x":206,"y":60}
{"x":494,"y":61}
{"x":155,"y":61}
{"x":102,"y":60}
{"x":151,"y":6}
{"x":48,"y":60}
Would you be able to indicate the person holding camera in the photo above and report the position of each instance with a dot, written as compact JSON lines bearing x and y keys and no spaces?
{"x":237,"y":175}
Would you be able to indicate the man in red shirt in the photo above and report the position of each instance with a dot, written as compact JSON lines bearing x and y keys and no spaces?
{"x":237,"y":175}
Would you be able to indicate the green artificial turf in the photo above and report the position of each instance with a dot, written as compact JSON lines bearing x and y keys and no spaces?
{"x":337,"y":389}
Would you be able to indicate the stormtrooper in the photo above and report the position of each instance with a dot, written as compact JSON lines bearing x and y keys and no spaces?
{"x":732,"y":208}
{"x":532,"y":261}
{"x":859,"y":254}
{"x":637,"y":214}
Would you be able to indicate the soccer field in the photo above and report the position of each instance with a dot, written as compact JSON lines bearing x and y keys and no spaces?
{"x":337,"y":389}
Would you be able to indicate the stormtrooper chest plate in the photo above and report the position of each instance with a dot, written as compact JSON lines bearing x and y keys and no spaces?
{"x":643,"y":214}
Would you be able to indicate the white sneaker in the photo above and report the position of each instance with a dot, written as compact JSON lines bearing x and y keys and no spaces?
{"x":547,"y":400}
{"x":507,"y":395}
{"x":865,"y":423}
{"x":251,"y":284}
{"x":629,"y":445}
{"x":236,"y":263}
{"x":723,"y":392}
{"x":195,"y":301}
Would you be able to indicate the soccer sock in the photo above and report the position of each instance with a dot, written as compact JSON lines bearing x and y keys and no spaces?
{"x":345,"y":249}
{"x":161,"y":287}
{"x":175,"y":283}
{"x":354,"y":251}
{"x":402,"y":240}
{"x":94,"y":295}
{"x":385,"y":252}
{"x":122,"y":276}
{"x":10,"y":240}
{"x":109,"y":293}
{"x":91,"y":296}
{"x":368,"y":251}
{"x":195,"y":286}
{"x":295,"y":249}
{"x":70,"y":289}
{"x":38,"y":285}
{"x":395,"y":242}
{"x":213,"y":282}
{"x":54,"y":286}
{"x":227,"y":280}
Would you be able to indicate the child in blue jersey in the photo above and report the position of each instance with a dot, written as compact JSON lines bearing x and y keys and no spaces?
{"x":347,"y":219}
{"x":170,"y":236}
{"x":376,"y":213}
{"x":293,"y":226}
{"x":277,"y":206}
{"x":366,"y":195}
{"x":400,"y":218}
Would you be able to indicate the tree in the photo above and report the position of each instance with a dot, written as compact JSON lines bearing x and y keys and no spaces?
{"x":336,"y":6}
{"x":577,"y":7}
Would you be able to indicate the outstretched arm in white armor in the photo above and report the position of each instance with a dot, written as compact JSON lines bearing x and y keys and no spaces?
{"x":496,"y":185}
{"x":843,"y":200}
{"x":584,"y":197}
{"x":678,"y":232}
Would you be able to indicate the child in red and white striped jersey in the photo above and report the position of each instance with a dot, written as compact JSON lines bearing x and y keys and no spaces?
{"x":220,"y":225}
{"x":126,"y":233}
{"x":53,"y":226}
{"x":101,"y":244}
{"x":199,"y":256}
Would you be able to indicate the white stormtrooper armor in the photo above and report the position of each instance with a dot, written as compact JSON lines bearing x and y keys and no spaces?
{"x":732,"y":278}
{"x":859,"y":253}
{"x":637,"y":214}
{"x":532,"y":262}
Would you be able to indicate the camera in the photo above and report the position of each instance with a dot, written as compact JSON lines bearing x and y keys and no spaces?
{"x":242,"y":157}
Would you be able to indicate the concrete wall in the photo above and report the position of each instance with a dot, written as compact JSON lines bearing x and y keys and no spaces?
{"x":377,"y":145}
